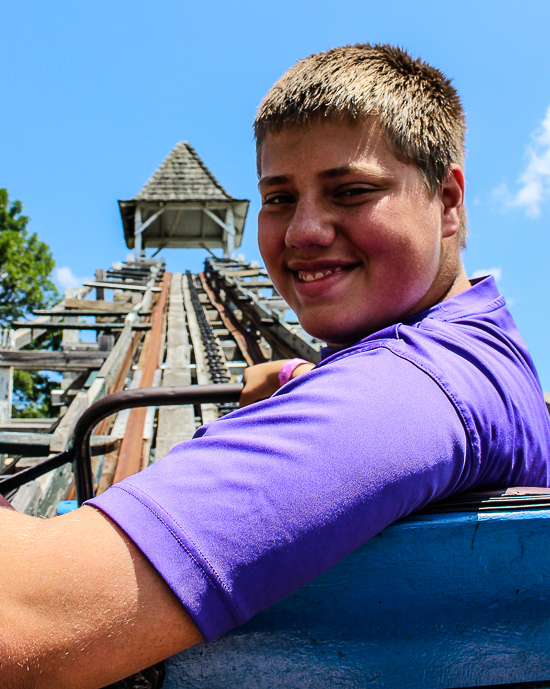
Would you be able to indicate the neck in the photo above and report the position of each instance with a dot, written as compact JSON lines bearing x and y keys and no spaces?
{"x":451,"y":278}
{"x":458,"y":285}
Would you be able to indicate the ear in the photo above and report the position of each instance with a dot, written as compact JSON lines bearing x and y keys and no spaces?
{"x":452,"y":200}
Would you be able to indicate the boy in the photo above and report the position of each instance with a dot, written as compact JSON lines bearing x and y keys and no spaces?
{"x":425,"y":388}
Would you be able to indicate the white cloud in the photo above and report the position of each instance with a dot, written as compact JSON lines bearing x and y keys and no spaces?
{"x":66,"y":278}
{"x":535,"y":181}
{"x":495,"y":272}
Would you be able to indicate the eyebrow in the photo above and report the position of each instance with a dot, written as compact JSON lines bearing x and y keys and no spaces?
{"x":331,"y":173}
{"x":273,"y":179}
{"x":340,"y":171}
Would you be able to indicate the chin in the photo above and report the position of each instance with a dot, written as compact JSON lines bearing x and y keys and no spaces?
{"x":332,"y":333}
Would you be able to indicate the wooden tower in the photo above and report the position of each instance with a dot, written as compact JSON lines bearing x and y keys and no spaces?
{"x":183,"y":206}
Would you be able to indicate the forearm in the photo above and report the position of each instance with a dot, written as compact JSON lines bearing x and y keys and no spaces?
{"x":262,"y":380}
{"x":80,"y":604}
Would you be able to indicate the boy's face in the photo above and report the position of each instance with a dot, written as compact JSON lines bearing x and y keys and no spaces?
{"x":349,"y":234}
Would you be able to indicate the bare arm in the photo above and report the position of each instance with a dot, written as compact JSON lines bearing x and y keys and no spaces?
{"x":261,"y":381}
{"x":80,"y":606}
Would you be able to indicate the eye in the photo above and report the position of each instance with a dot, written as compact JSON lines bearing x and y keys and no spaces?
{"x":356,"y":192}
{"x":278,"y":199}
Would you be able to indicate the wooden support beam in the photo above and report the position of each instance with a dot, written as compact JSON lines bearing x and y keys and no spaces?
{"x":24,"y":336}
{"x":145,"y":225}
{"x":63,"y":434}
{"x":6,"y":391}
{"x":86,"y":326}
{"x":257,"y":284}
{"x":118,"y":431}
{"x":218,"y":220}
{"x":124,"y":368}
{"x":111,"y":368}
{"x":131,"y":450}
{"x":95,"y":305}
{"x":91,"y":312}
{"x":175,"y":423}
{"x":148,"y":425}
{"x":245,"y":272}
{"x":170,"y":233}
{"x":122,"y":286}
{"x":51,"y":361}
{"x":100,"y":277}
{"x":229,"y":234}
{"x":38,"y":444}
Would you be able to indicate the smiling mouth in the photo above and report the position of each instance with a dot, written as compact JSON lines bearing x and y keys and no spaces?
{"x":311,"y":276}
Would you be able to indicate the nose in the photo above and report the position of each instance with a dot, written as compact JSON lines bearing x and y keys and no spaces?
{"x":310,"y":226}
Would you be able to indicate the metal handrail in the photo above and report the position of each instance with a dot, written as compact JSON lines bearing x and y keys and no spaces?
{"x":80,"y":453}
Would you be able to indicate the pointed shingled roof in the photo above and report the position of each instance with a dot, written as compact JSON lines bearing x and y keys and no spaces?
{"x":180,"y":188}
{"x":182,"y":176}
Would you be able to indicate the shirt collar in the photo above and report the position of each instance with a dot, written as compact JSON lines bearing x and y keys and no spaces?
{"x":482,"y":297}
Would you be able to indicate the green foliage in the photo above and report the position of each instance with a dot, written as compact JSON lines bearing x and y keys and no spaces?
{"x":32,"y":389}
{"x":32,"y":395}
{"x":26,"y":264}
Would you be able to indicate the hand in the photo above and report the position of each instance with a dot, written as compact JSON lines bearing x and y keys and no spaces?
{"x":262,"y":380}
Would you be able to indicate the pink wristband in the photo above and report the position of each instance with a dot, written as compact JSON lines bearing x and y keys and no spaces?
{"x":288,"y":369}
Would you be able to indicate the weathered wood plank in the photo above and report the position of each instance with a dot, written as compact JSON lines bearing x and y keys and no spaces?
{"x":89,"y":312}
{"x":100,"y":276}
{"x":64,"y":432}
{"x":38,"y":444}
{"x":246,"y":272}
{"x":109,"y":372}
{"x":6,"y":391}
{"x":118,"y":431}
{"x":209,"y":411}
{"x":257,"y":284}
{"x":52,"y":361}
{"x":85,"y":326}
{"x":24,"y":336}
{"x":176,"y":423}
{"x":131,"y":451}
{"x":31,"y":425}
{"x":131,"y":287}
{"x":27,"y":498}
{"x":98,"y":305}
{"x":148,"y":426}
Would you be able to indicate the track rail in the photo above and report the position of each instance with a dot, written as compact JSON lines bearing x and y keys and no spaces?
{"x":261,"y":316}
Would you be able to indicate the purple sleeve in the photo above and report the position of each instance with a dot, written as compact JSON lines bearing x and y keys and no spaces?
{"x":269,"y":497}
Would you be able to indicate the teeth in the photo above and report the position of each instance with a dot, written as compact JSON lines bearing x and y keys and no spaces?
{"x":310,"y":277}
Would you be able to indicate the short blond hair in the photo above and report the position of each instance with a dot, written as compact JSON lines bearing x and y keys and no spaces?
{"x":417,"y":107}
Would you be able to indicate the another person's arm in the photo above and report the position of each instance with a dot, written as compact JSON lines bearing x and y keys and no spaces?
{"x":262,"y":380}
{"x":80,"y":606}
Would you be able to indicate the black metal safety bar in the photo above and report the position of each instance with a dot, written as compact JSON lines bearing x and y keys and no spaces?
{"x":80,"y":453}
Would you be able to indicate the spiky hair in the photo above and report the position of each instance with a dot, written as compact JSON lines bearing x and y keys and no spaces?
{"x":417,"y":107}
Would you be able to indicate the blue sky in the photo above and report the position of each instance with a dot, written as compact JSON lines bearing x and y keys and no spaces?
{"x":94,"y":95}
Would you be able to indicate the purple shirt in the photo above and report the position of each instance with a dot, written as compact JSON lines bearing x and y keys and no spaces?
{"x":265,"y":499}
